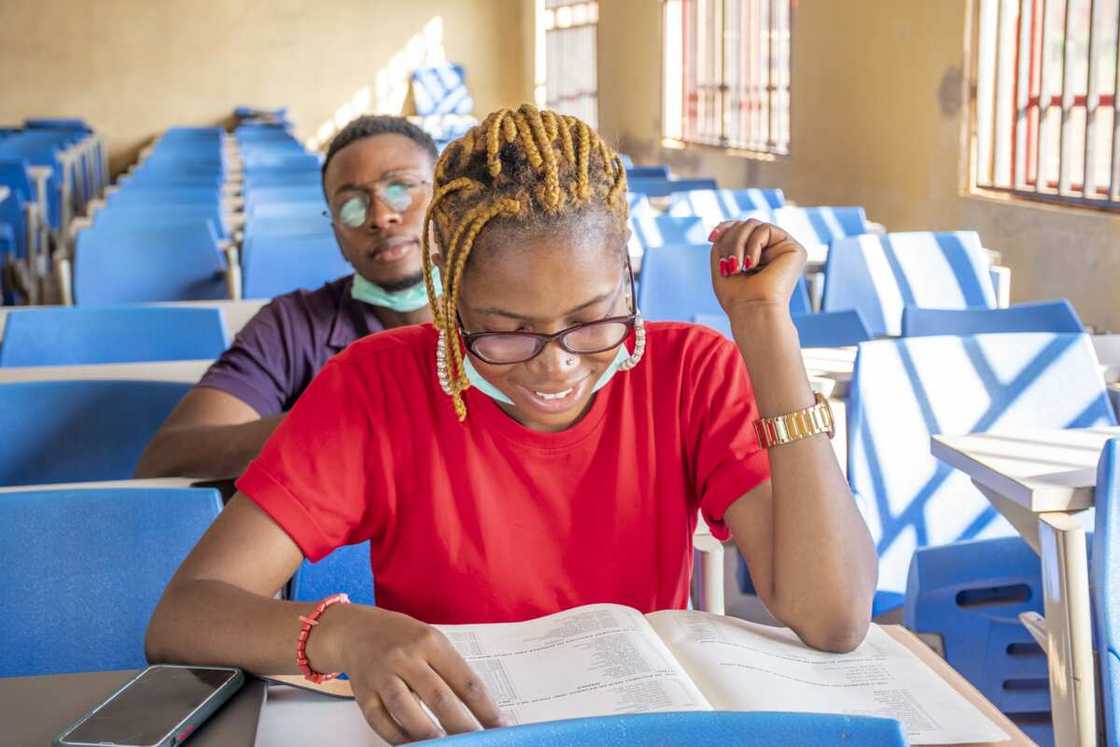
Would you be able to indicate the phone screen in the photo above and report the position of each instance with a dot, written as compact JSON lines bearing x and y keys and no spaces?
{"x":150,"y":707}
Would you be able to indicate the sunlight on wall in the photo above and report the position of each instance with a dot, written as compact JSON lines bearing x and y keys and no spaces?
{"x":389,"y":90}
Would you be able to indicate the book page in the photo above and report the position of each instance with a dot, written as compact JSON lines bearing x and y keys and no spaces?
{"x":595,"y":660}
{"x":745,"y":666}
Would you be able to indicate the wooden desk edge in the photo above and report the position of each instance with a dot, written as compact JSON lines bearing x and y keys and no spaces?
{"x":961,"y":685}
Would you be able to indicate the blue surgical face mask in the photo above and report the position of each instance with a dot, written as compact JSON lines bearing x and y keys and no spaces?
{"x":402,"y":301}
{"x":491,"y":391}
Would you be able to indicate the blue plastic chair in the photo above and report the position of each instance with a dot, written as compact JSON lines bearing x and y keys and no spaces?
{"x":659,"y":187}
{"x":441,"y":89}
{"x":676,"y":284}
{"x":880,"y":275}
{"x":821,"y":225}
{"x":120,"y":334}
{"x":716,"y":205}
{"x":645,"y":172}
{"x":346,"y":569}
{"x":650,"y":230}
{"x":970,"y":594}
{"x":724,"y":728}
{"x":1105,"y":586}
{"x":173,"y":263}
{"x":825,"y":330}
{"x":274,"y":265}
{"x":79,"y":431}
{"x":91,"y":566}
{"x":904,"y":391}
{"x":1043,"y":316}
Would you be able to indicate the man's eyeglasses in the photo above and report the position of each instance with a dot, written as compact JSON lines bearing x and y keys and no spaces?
{"x":504,"y":348}
{"x":351,"y":207}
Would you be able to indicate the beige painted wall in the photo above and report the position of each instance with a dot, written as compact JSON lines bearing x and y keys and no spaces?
{"x":134,"y":67}
{"x":877,"y":115}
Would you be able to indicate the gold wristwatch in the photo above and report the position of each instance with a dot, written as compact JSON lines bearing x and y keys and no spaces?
{"x":784,"y":429}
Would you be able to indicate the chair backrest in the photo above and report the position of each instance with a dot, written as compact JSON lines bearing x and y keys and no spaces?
{"x":346,"y":569}
{"x":825,"y":330}
{"x":651,"y":230}
{"x":90,"y":567}
{"x":441,"y":89}
{"x":1106,"y":583}
{"x":174,"y":263}
{"x":273,"y":265}
{"x":821,"y":225}
{"x":904,"y":391}
{"x":971,"y":594}
{"x":655,"y":186}
{"x":1043,"y":316}
{"x":112,"y":334}
{"x":78,"y":431}
{"x":724,"y":728}
{"x":717,"y":205}
{"x":676,"y":284}
{"x":882,"y":274}
{"x":639,"y":172}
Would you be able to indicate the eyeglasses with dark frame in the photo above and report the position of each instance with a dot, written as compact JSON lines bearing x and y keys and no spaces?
{"x":586,"y":338}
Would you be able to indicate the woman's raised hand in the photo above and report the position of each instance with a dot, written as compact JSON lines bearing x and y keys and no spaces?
{"x":754,"y":263}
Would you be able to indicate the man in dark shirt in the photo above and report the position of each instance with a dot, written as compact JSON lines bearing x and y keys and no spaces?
{"x":377,"y":180}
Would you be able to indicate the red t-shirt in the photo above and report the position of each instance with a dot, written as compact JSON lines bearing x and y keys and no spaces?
{"x":488,"y":521}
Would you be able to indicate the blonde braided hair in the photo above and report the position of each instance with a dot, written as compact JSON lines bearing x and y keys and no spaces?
{"x":518,"y":166}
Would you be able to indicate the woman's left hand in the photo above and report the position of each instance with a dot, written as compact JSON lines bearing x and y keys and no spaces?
{"x":754,"y":263}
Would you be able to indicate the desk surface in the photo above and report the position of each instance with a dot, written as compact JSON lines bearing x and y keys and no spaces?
{"x":293,"y":717}
{"x":34,"y":710}
{"x":46,"y":705}
{"x":187,"y":372}
{"x":1040,"y":470}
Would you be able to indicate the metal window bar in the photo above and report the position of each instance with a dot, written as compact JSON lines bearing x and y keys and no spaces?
{"x":734,"y":59}
{"x":1048,"y":103}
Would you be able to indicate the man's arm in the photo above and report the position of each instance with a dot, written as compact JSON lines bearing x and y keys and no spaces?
{"x":210,"y":434}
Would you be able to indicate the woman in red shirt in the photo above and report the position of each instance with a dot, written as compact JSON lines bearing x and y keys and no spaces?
{"x":539,"y":447}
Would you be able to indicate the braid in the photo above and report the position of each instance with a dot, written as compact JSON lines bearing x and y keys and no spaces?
{"x":519,"y":166}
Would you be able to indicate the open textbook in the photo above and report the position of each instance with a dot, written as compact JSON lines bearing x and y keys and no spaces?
{"x":607,"y":659}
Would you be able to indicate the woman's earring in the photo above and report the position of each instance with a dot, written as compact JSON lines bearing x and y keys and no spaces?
{"x":639,"y":344}
{"x":441,"y":362}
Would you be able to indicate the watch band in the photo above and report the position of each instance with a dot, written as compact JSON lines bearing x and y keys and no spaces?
{"x":784,"y":429}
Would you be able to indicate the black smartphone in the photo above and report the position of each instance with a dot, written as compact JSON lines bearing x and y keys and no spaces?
{"x":160,"y":707}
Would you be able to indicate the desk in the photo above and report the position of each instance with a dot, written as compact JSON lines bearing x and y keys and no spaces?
{"x":1042,"y":481}
{"x":187,"y":372}
{"x":294,"y":717}
{"x":34,"y":710}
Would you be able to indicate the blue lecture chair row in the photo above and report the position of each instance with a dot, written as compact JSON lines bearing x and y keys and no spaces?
{"x":79,"y":431}
{"x":162,"y":232}
{"x":287,"y":243}
{"x":111,"y":334}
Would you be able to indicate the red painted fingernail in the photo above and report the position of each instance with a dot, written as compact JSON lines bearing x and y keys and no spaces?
{"x":723,"y":266}
{"x":713,"y":235}
{"x":732,"y":265}
{"x":747,"y":263}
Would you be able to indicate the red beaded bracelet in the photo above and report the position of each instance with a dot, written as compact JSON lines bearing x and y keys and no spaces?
{"x":305,"y":632}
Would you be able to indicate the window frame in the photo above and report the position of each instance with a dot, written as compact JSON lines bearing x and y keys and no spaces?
{"x":546,"y":27}
{"x":1035,"y":97}
{"x":675,"y":129}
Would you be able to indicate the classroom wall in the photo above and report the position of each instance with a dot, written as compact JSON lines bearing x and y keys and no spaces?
{"x":134,"y":67}
{"x":877,"y":112}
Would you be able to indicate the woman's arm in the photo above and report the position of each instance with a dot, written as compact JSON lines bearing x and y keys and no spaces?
{"x":220,"y":609}
{"x":210,"y":434}
{"x":809,"y":550}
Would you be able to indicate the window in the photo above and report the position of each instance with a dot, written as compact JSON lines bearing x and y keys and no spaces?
{"x":570,"y":35}
{"x":1046,"y":112}
{"x":727,"y":72}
